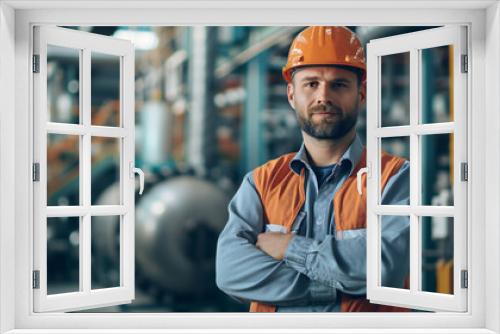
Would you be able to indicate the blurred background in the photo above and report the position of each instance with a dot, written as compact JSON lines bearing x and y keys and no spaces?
{"x":210,"y":106}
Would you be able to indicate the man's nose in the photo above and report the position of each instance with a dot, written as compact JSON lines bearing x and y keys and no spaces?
{"x":323,"y":95}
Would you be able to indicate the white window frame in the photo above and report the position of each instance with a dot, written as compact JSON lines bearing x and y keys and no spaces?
{"x":16,"y":212}
{"x":413,"y":43}
{"x":84,"y":44}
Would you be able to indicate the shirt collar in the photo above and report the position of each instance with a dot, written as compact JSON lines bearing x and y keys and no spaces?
{"x":350,"y":158}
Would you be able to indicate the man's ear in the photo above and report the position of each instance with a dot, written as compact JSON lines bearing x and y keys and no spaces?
{"x":362,"y":92}
{"x":290,"y":94}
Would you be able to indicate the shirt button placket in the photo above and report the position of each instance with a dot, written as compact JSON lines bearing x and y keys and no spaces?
{"x":318,"y":209}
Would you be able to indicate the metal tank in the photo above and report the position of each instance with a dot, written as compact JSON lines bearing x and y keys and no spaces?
{"x":176,"y":228}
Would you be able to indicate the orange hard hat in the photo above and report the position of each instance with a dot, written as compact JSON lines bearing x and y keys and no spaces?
{"x":325,"y":46}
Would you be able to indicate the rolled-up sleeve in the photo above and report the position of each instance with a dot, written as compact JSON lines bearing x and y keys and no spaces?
{"x":247,"y":273}
{"x":341,"y":262}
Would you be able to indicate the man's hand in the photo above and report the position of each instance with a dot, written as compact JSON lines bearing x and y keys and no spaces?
{"x":274,"y":244}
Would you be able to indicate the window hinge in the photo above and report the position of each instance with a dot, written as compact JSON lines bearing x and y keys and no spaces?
{"x":464,"y":171}
{"x":36,"y":63}
{"x":36,"y":171}
{"x":36,"y":279}
{"x":465,"y":64}
{"x":465,"y":279}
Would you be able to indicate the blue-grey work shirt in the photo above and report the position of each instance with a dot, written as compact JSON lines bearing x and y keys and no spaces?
{"x":319,"y":260}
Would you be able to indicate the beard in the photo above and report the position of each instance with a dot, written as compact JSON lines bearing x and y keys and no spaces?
{"x":328,"y":128}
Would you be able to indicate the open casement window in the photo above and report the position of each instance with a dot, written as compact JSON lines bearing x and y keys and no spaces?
{"x":71,"y":146}
{"x":416,"y":108}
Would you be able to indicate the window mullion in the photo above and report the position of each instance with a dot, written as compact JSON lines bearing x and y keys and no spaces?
{"x":414,"y":171}
{"x":85,"y":153}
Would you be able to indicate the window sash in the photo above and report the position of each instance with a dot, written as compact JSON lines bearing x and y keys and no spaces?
{"x":413,"y":43}
{"x":85,"y":44}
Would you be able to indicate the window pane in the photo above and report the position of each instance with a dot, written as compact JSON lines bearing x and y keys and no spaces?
{"x":105,"y":89}
{"x":63,"y":84}
{"x":63,"y":170}
{"x":395,"y":89}
{"x":63,"y":255}
{"x":395,"y":251}
{"x":437,"y":169}
{"x":105,"y":168}
{"x":400,"y":147}
{"x":437,"y":254}
{"x":437,"y":85}
{"x":105,"y":251}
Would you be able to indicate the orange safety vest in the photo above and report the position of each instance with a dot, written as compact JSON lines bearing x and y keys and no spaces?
{"x":282,"y":194}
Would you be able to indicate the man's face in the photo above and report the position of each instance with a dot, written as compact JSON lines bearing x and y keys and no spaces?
{"x":326,"y":100}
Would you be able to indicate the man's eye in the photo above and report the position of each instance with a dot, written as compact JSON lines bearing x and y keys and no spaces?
{"x":312,"y":84}
{"x":339,"y":85}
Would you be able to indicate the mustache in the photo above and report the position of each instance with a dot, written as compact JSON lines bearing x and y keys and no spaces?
{"x":326,"y":108}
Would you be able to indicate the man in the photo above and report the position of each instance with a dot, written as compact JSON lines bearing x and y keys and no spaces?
{"x":296,"y":236}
